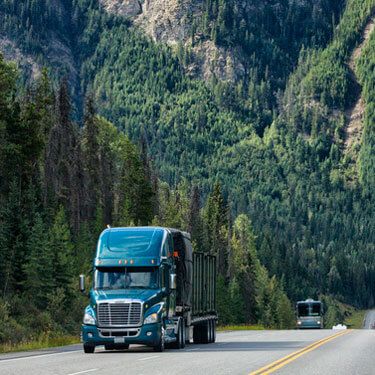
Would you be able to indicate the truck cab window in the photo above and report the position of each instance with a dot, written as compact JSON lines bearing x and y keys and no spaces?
{"x":114,"y":278}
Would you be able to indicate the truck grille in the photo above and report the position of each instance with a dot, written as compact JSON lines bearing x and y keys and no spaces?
{"x":119,"y":314}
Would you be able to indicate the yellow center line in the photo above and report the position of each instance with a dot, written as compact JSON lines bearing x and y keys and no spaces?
{"x":272,"y":367}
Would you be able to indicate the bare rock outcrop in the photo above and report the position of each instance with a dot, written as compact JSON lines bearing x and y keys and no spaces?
{"x":12,"y":53}
{"x":170,"y":22}
{"x":126,"y":8}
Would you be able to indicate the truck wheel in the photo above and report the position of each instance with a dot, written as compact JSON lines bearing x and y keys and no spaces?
{"x":213,"y":330}
{"x":87,"y":348}
{"x":205,"y":332}
{"x":183,"y":332}
{"x":179,"y":343}
{"x":161,"y":344}
{"x":197,"y":334}
{"x":209,"y":323}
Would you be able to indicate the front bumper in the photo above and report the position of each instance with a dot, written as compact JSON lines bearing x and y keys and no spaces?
{"x":148,"y":334}
{"x":310,"y":324}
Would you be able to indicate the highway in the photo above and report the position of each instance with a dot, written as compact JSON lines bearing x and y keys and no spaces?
{"x":235,"y":352}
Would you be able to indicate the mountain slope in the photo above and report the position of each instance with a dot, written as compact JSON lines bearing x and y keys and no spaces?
{"x":268,"y":120}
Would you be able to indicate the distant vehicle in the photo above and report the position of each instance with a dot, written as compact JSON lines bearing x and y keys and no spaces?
{"x":149,"y":288}
{"x":309,"y":314}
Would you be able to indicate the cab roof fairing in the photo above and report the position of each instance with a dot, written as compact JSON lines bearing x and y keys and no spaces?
{"x":149,"y":256}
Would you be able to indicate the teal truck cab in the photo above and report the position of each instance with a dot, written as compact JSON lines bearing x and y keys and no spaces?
{"x":149,"y":288}
{"x":309,"y":314}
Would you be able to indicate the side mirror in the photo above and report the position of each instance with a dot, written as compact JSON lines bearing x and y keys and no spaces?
{"x":173,"y":281}
{"x":82,"y":283}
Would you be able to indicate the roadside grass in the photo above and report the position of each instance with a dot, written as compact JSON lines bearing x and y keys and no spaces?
{"x":355,"y":319}
{"x":42,"y":343}
{"x":241,"y":327}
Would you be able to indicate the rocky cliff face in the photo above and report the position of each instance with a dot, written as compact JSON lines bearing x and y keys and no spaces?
{"x":126,"y":8}
{"x":170,"y":21}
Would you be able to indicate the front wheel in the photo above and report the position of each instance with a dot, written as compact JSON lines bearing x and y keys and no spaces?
{"x":161,"y":344}
{"x":88,"y":349}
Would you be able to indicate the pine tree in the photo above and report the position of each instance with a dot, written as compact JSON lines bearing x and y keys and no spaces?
{"x":245,"y":263}
{"x":61,"y":248}
{"x":38,"y":281}
{"x":195,"y":222}
{"x":216,"y":223}
{"x":63,"y":171}
{"x":91,"y":153}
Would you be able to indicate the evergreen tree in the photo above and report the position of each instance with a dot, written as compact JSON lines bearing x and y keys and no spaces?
{"x":216,"y":222}
{"x":38,"y":281}
{"x":91,"y":155}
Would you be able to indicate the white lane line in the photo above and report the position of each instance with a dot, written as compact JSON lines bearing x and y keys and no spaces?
{"x":36,"y":356}
{"x":84,"y":371}
{"x":190,"y":350}
{"x":147,"y":358}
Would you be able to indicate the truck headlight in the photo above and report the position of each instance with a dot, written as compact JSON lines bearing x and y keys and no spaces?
{"x":318,"y":322}
{"x":88,"y":319}
{"x":153,"y":318}
{"x":299,"y":322}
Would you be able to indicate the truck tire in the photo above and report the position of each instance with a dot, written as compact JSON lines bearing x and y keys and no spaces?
{"x":201,"y":333}
{"x":161,"y":344}
{"x":213,"y":330}
{"x":209,"y":331}
{"x":88,"y":349}
{"x":183,"y":332}
{"x":205,"y":332}
{"x":197,"y":334}
{"x":180,"y":343}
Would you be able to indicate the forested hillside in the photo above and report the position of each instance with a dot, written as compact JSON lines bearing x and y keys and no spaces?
{"x":269,"y":141}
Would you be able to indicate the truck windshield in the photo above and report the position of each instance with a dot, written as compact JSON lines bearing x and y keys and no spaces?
{"x":126,"y":278}
{"x":309,"y":309}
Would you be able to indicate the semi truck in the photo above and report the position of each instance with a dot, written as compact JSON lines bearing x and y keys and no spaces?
{"x":149,"y":287}
{"x":309,"y":314}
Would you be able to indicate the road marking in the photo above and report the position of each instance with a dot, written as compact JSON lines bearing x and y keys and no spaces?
{"x":272,"y":367}
{"x":147,"y":358}
{"x":84,"y":371}
{"x":37,"y":356}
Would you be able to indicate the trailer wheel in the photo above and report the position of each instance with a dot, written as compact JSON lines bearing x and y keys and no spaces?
{"x":209,"y":323}
{"x":213,"y":330}
{"x":207,"y":335}
{"x":88,"y":349}
{"x":205,"y":332}
{"x":197,"y":334}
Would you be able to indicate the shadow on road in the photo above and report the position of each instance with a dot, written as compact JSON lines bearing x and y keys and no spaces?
{"x":247,"y":346}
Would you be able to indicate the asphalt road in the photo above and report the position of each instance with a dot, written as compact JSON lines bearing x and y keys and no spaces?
{"x":240,"y":352}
